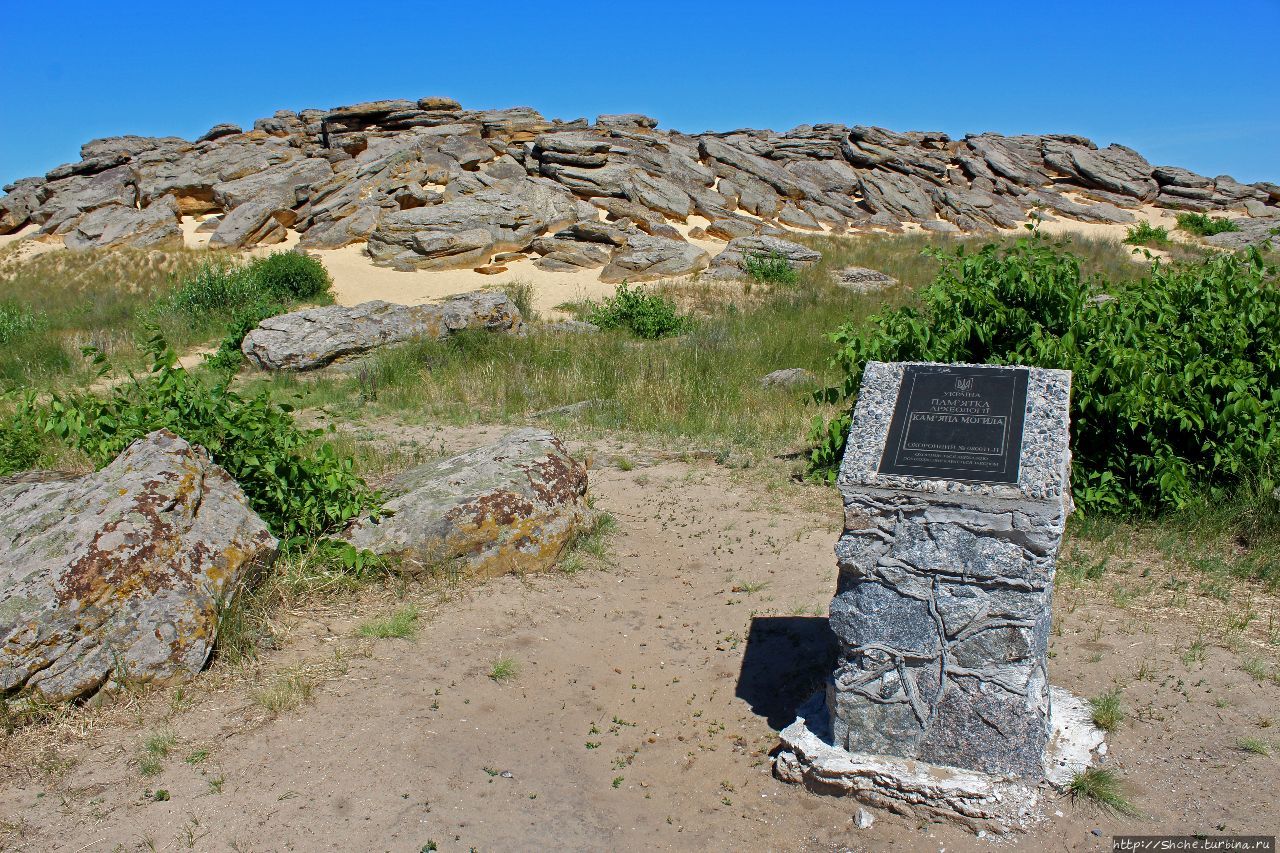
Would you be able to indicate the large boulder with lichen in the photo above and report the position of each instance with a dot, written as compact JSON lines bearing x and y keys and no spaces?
{"x":511,"y":506}
{"x":315,"y":337}
{"x":119,"y":576}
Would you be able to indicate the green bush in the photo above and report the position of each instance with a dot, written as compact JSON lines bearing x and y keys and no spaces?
{"x":20,"y":444}
{"x":297,"y":486}
{"x":1176,"y":387}
{"x":773,"y":268}
{"x":645,"y":315}
{"x":1146,"y":234}
{"x":290,"y":277}
{"x":1203,"y":226}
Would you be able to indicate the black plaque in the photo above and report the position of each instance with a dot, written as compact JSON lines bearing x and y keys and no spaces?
{"x":957,"y":423}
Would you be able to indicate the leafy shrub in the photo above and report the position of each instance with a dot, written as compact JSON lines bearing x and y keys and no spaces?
{"x":1146,"y":234}
{"x":773,"y":268}
{"x":645,"y":315}
{"x":297,"y":487}
{"x":290,"y":277}
{"x":19,"y":444}
{"x":1176,"y":387}
{"x":243,"y":296}
{"x":16,"y":321}
{"x":1203,"y":226}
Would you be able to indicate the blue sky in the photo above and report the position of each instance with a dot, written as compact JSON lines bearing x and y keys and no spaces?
{"x":1187,"y":84}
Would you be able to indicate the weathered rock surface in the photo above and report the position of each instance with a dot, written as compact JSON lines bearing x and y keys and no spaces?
{"x":735,"y":254}
{"x":511,"y":506}
{"x":424,"y":181}
{"x":120,"y":574}
{"x":116,"y":225}
{"x":646,"y":258}
{"x":863,"y":280}
{"x":789,"y":377}
{"x":314,"y":337}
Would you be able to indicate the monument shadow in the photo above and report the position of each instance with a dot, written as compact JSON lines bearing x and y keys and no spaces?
{"x":787,"y":658}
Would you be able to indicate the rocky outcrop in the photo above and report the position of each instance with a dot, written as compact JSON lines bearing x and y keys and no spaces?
{"x":511,"y":506}
{"x":119,"y":576}
{"x":730,"y":263}
{"x":314,"y":337}
{"x":646,"y":258}
{"x":431,"y":185}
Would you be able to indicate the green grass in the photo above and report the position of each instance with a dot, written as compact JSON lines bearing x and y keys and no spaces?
{"x":504,"y":669}
{"x":700,"y":390}
{"x":403,"y":625}
{"x":1254,"y":745}
{"x":770,"y":269}
{"x":1103,"y":788}
{"x":1107,"y":711}
{"x":55,"y":304}
{"x":1203,"y":225}
{"x":1146,"y":234}
{"x":590,"y":546}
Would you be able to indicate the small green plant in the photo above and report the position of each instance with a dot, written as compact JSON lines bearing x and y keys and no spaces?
{"x":1203,"y":225}
{"x":1108,"y":713}
{"x":1146,"y":234}
{"x":1255,"y":745}
{"x":617,"y":781}
{"x":646,"y":315}
{"x":1101,"y":787}
{"x":160,"y":796}
{"x":403,"y":624}
{"x":593,"y":744}
{"x":150,"y":765}
{"x":159,"y":743}
{"x":197,"y":757}
{"x":773,"y":268}
{"x":504,"y":669}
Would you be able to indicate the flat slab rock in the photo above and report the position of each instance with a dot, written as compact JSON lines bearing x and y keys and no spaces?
{"x":980,"y":801}
{"x":511,"y":506}
{"x":734,"y":256}
{"x":120,"y":574}
{"x":863,"y":280}
{"x":315,"y":337}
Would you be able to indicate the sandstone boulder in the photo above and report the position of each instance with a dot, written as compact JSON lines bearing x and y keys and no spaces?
{"x":314,"y":337}
{"x":863,"y":280}
{"x":646,"y":258}
{"x":740,"y":248}
{"x":119,"y":576}
{"x":790,"y":377}
{"x":116,"y":225}
{"x":465,"y":232}
{"x":511,"y":506}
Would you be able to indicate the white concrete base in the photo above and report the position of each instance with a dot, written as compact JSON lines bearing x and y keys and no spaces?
{"x":977,"y":800}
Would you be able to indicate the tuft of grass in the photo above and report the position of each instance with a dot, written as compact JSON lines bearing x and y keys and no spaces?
{"x":1103,"y":788}
{"x":1255,"y":745}
{"x":521,"y":295}
{"x":1146,"y":234}
{"x":159,"y":744}
{"x":773,"y":268}
{"x":403,"y":625}
{"x":291,"y":689}
{"x":1203,"y":225}
{"x":590,"y":543}
{"x":504,"y":669}
{"x":1108,"y":713}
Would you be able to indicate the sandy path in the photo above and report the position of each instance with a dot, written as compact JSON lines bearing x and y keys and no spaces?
{"x":654,"y":674}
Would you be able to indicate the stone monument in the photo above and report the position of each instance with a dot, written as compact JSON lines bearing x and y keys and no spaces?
{"x":956,"y":487}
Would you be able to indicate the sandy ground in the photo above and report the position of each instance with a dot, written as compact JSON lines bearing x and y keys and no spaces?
{"x":647,"y":700}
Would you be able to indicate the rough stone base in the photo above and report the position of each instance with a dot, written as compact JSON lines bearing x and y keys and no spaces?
{"x":977,"y":800}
